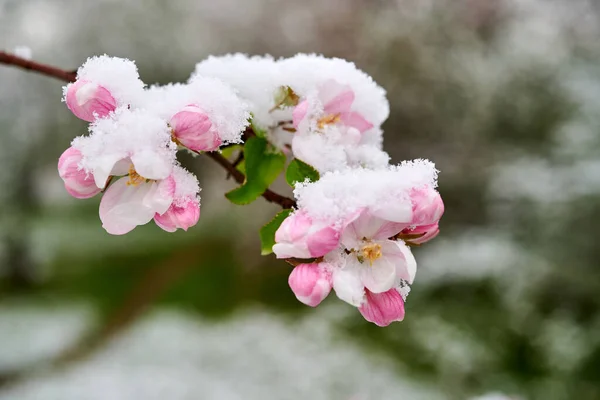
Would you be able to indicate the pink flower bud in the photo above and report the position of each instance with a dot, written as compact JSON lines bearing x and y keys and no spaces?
{"x":311,"y":283}
{"x":88,"y":100}
{"x":179,"y":217}
{"x":430,"y":231}
{"x":299,"y":236}
{"x":383,"y":308}
{"x":428,"y":206}
{"x":78,"y":183}
{"x":193,"y":129}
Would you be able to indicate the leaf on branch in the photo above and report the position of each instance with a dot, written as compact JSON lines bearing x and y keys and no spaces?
{"x":267,"y":232}
{"x":262,"y":163}
{"x":299,"y":171}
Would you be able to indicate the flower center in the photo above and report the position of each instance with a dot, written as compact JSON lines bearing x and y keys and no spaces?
{"x":371,"y":252}
{"x":328,"y":120}
{"x":134,"y":178}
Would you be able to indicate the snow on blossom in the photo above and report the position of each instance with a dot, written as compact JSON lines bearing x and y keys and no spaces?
{"x":304,"y":73}
{"x":386,"y":192}
{"x":128,"y":142}
{"x":257,"y":80}
{"x":112,"y":76}
{"x":204,"y":113}
{"x":184,"y":211}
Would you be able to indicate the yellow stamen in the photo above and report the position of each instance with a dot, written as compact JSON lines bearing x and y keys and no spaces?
{"x":371,"y":252}
{"x":134,"y":178}
{"x":328,"y":119}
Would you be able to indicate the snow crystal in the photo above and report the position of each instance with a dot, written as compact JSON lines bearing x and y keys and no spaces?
{"x":328,"y":152}
{"x":186,"y":185}
{"x":226,"y":110}
{"x":339,"y":194}
{"x":306,"y":72}
{"x":123,"y":134}
{"x":257,"y":80}
{"x":118,"y":75}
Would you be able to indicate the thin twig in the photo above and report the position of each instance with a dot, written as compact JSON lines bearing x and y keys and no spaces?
{"x":48,"y":70}
{"x":69,"y":76}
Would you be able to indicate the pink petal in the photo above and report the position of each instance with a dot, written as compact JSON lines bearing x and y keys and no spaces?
{"x":299,"y":113}
{"x":356,"y":120}
{"x":383,"y":308}
{"x":192,"y":128}
{"x":78,"y":183}
{"x":179,"y":217}
{"x":365,"y":225}
{"x":89,"y":101}
{"x":428,"y":206}
{"x":430,"y":232}
{"x":322,"y":241}
{"x":311,"y":283}
{"x":293,"y":228}
{"x":336,"y":97}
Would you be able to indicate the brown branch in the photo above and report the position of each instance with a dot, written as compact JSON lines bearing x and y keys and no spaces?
{"x":9,"y":59}
{"x":69,"y":76}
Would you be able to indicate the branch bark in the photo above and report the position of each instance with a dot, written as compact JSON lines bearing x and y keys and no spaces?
{"x":69,"y":76}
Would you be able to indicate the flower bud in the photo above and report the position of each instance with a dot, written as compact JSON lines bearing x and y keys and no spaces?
{"x":179,"y":217}
{"x":311,"y":283}
{"x":383,"y":308}
{"x":78,"y":183}
{"x":194,"y":130}
{"x":428,"y":206}
{"x":88,"y":100}
{"x":301,"y":237}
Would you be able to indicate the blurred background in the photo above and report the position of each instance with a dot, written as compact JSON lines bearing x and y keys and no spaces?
{"x":503,"y":95}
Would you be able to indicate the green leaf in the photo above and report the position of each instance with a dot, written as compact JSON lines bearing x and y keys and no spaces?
{"x":228,"y":151}
{"x":267,"y":232}
{"x":263,"y":163}
{"x":299,"y":171}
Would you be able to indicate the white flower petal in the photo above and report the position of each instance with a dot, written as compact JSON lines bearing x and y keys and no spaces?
{"x":122,"y":207}
{"x":381,"y":275}
{"x":347,"y":284}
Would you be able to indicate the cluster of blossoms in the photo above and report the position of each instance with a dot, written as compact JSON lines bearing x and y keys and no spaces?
{"x":352,"y":228}
{"x":134,"y":134}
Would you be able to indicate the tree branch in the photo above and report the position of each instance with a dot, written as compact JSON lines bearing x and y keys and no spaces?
{"x":69,"y":76}
{"x":48,"y":70}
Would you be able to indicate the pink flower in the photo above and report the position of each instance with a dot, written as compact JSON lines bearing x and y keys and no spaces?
{"x":428,"y":206}
{"x":383,"y":308}
{"x":88,"y":100}
{"x":78,"y":183}
{"x":133,"y":201}
{"x":194,"y":130}
{"x":301,"y":237}
{"x":336,"y":101}
{"x":311,"y":283}
{"x":370,"y":260}
{"x":179,"y":216}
